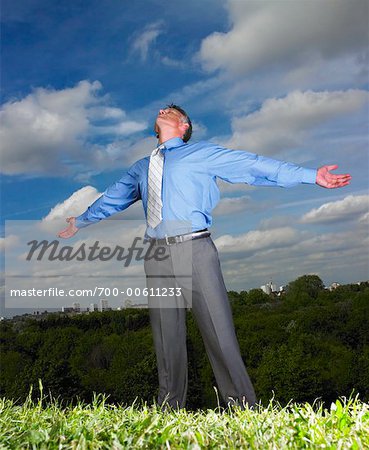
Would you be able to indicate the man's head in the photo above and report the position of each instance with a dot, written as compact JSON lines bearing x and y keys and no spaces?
{"x":173,"y":120}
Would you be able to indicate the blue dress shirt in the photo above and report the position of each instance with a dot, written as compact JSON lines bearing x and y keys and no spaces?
{"x":189,"y":188}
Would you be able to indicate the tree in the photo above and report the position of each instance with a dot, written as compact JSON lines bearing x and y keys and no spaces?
{"x":304,"y":287}
{"x":256,"y":297}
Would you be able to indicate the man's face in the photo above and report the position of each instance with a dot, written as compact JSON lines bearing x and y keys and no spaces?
{"x":171,"y":119}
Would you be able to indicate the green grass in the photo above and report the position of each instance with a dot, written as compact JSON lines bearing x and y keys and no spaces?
{"x":35,"y":425}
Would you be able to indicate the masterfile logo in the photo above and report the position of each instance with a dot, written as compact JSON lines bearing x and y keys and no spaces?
{"x":53,"y":251}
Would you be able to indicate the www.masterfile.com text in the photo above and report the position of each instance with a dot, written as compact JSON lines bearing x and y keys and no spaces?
{"x":97,"y":292}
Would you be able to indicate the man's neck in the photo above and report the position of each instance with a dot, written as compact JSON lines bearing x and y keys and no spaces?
{"x":163,"y":136}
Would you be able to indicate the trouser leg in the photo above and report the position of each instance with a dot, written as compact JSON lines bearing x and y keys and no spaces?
{"x":168,"y":326}
{"x":213,"y":314}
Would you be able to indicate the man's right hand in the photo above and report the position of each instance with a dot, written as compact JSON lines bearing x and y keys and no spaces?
{"x":71,"y":229}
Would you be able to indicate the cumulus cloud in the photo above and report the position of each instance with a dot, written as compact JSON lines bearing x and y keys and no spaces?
{"x":232,"y":205}
{"x":105,"y":112}
{"x":327,"y":254}
{"x":145,"y":40}
{"x":349,"y":208}
{"x":8,"y":242}
{"x":76,"y":204}
{"x":121,"y":129}
{"x":73,"y":206}
{"x":269,"y":33}
{"x":283,"y":123}
{"x":256,"y":240}
{"x":50,"y":131}
{"x":123,"y":152}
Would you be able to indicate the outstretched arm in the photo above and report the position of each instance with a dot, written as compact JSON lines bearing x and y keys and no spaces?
{"x":238,"y":166}
{"x":330,"y":180}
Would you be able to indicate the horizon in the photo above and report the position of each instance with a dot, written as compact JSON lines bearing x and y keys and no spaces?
{"x":5,"y":312}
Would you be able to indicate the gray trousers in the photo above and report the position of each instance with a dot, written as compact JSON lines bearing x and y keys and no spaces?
{"x":212,"y":312}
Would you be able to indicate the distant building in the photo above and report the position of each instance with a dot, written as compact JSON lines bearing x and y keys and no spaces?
{"x":266,"y":288}
{"x":281,"y":291}
{"x":334,"y":286}
{"x":67,"y":309}
{"x":127,"y":303}
{"x":76,"y":306}
{"x":104,"y":305}
{"x":269,"y":288}
{"x":93,"y":307}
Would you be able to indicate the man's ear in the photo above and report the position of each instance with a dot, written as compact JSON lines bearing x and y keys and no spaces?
{"x":185,"y":126}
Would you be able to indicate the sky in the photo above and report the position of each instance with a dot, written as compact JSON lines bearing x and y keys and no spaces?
{"x":82,"y":83}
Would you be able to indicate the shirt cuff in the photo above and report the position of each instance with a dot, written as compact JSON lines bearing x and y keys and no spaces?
{"x":309,"y":176}
{"x":80,"y":223}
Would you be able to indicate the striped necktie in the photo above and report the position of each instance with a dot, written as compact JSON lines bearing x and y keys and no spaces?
{"x":154,"y":203}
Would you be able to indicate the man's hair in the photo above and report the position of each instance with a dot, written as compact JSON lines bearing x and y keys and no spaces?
{"x":188,"y":134}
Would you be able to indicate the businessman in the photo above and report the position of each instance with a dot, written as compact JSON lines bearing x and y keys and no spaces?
{"x":177,"y":185}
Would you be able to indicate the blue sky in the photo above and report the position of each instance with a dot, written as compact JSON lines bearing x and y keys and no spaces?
{"x":82,"y":83}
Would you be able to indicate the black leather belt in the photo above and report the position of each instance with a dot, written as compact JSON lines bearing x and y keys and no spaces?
{"x":170,"y":240}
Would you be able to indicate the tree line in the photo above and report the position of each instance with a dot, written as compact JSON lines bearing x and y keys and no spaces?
{"x":309,"y":343}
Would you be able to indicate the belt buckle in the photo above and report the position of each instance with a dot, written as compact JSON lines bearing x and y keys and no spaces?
{"x":168,"y":240}
{"x":175,"y":239}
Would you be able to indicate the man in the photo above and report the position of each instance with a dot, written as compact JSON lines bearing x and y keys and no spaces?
{"x":177,"y":185}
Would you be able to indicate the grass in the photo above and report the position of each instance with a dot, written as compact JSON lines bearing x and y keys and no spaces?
{"x":35,"y":425}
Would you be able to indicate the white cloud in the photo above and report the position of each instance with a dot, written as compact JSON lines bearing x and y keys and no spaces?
{"x":73,"y":206}
{"x":257,"y":240}
{"x":76,"y":204}
{"x":285,"y":122}
{"x":364,"y":218}
{"x":146,"y":39}
{"x":199,"y":130}
{"x":124,"y":152}
{"x":49,"y":131}
{"x":232,"y":205}
{"x":105,"y":112}
{"x":269,"y":33}
{"x":8,"y":242}
{"x":335,"y":256}
{"x":175,"y":63}
{"x":347,"y":209}
{"x":121,"y":128}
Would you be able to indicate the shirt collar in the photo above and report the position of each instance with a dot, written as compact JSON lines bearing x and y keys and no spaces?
{"x":173,"y":143}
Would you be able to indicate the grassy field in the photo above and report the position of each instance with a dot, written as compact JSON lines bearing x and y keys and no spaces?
{"x":344,"y":425}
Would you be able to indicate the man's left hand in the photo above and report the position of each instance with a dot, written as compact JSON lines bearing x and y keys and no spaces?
{"x":330,"y":180}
